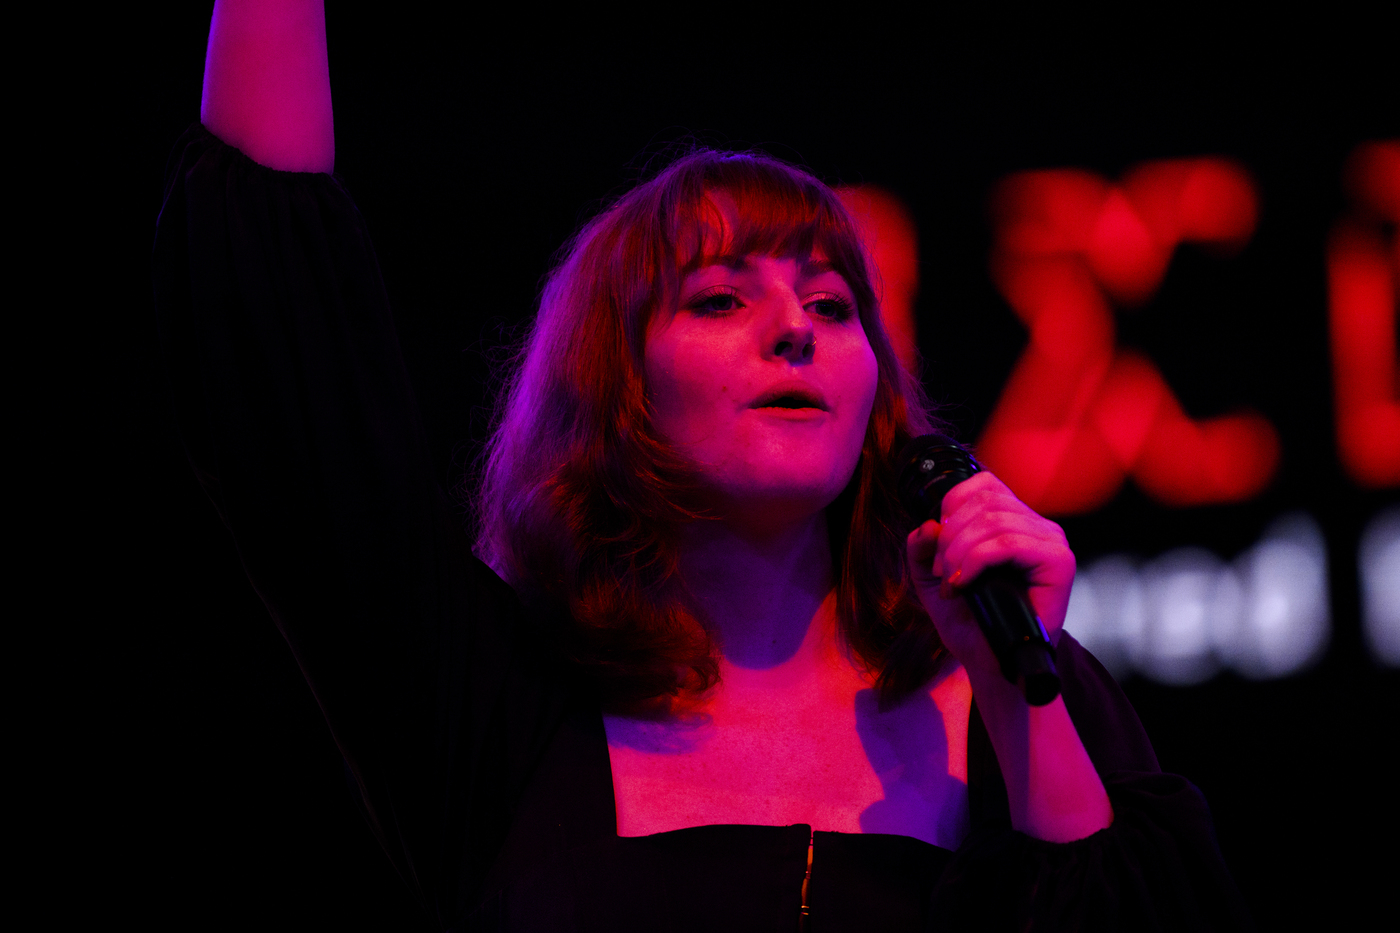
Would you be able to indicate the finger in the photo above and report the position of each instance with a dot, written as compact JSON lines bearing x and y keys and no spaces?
{"x":1041,"y":559}
{"x":957,"y":542}
{"x":985,"y":499}
{"x":976,"y":487}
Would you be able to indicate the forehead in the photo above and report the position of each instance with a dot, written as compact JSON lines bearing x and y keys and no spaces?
{"x":724,"y":228}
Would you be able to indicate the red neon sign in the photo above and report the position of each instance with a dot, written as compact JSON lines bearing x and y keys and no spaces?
{"x":1363,"y":277}
{"x":1079,"y":414}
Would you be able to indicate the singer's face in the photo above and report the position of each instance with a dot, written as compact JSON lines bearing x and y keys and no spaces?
{"x":762,"y":375}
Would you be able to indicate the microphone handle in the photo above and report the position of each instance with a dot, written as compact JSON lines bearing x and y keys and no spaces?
{"x":1017,"y":637}
{"x":931,"y":465}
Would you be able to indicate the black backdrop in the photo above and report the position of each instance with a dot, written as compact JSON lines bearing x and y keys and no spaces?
{"x":474,"y":150}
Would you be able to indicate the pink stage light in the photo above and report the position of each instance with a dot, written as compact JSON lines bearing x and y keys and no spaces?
{"x":1079,"y":414}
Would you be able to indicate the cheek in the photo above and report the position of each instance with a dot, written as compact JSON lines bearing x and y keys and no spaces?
{"x":686,"y":386}
{"x":858,"y":386}
{"x":861,"y":384}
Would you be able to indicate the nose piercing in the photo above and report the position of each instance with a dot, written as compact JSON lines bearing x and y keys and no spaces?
{"x":809,"y":350}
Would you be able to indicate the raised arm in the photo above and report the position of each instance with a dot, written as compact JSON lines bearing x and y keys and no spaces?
{"x":297,"y":415}
{"x":267,"y":86}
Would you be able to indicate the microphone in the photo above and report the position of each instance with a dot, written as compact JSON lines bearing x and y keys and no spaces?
{"x":930,"y":466}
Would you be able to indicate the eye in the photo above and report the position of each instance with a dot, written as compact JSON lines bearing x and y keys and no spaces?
{"x":833,"y":306}
{"x":717,"y":300}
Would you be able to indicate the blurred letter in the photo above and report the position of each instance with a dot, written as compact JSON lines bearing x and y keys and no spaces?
{"x":1078,"y":414}
{"x":1362,"y":274}
{"x":1379,"y":564}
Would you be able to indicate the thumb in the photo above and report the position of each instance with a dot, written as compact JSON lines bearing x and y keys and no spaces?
{"x":924,"y":560}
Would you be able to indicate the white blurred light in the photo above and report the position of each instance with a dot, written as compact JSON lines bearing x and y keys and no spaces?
{"x":1286,"y":621}
{"x":1184,"y":615}
{"x":1379,"y":564}
{"x":1180,"y":591}
{"x":1105,"y":612}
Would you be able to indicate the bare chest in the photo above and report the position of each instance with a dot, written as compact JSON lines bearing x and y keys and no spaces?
{"x":825,"y":756}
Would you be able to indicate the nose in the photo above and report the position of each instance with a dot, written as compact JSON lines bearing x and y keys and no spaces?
{"x":792,"y":337}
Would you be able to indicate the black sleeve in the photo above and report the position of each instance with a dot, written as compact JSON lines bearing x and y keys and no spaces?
{"x":1157,"y":867}
{"x":295,"y":409}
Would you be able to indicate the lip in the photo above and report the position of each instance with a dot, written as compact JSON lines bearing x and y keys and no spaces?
{"x":792,"y":390}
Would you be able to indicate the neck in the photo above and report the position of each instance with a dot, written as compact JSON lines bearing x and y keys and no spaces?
{"x":764,"y":595}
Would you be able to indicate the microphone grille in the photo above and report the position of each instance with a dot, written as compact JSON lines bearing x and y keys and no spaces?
{"x":929,"y":466}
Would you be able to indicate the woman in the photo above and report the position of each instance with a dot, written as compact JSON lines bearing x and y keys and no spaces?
{"x":722,"y":688}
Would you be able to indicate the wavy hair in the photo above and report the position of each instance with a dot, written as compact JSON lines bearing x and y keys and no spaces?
{"x":580,"y":501}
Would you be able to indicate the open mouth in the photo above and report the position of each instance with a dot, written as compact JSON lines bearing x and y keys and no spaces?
{"x":791,"y":399}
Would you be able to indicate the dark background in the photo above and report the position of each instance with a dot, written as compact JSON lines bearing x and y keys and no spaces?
{"x":474,"y":150}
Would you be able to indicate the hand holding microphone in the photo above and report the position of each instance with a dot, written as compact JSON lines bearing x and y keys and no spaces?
{"x":1012,"y":567}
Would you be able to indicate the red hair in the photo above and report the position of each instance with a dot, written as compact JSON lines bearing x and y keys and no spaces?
{"x":581,"y":501}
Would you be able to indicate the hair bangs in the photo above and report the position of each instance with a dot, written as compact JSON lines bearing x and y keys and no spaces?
{"x":776,"y":211}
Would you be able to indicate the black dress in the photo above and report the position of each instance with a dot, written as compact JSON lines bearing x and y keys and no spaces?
{"x":481,"y":758}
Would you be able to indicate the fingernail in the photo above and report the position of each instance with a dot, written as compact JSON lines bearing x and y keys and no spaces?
{"x":950,"y":584}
